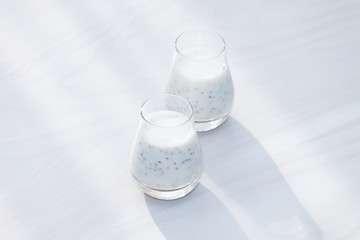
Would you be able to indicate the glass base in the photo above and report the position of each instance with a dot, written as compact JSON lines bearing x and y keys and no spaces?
{"x":203,"y":126}
{"x":168,"y":194}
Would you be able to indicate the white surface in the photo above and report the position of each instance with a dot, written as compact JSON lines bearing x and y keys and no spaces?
{"x":74,"y":73}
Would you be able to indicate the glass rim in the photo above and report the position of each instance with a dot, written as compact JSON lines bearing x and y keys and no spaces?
{"x":206,"y":32}
{"x":188,"y":118}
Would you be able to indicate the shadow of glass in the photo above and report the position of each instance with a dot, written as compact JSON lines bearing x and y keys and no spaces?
{"x":199,"y":215}
{"x":252,"y":179}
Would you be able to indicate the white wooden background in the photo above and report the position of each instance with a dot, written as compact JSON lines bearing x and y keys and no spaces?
{"x":74,"y":73}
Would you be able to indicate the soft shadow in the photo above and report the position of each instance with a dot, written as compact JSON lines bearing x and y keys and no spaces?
{"x":243,"y":169}
{"x":125,"y":52}
{"x":42,"y":181}
{"x":200,"y":215}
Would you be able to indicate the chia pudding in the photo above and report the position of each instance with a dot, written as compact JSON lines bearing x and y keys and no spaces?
{"x":166,"y":157}
{"x":204,"y":81}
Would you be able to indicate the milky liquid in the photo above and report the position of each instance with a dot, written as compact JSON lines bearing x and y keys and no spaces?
{"x":166,"y":157}
{"x":206,"y":85}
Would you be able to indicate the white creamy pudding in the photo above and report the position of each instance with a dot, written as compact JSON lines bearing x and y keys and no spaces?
{"x":166,"y":156}
{"x":210,"y":93}
{"x":204,"y":79}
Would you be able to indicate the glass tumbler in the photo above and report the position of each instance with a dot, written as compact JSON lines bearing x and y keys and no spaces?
{"x":166,"y":159}
{"x":200,"y":73}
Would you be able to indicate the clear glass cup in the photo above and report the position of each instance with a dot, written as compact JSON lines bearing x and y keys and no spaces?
{"x":166,"y":159}
{"x":200,"y":74}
